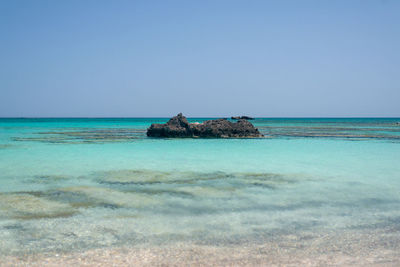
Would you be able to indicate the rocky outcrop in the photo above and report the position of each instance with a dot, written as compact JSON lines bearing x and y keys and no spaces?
{"x":178,"y":126}
{"x":242,"y":118}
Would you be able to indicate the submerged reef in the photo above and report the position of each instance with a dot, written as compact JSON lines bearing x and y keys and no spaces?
{"x":85,"y":136}
{"x":179,"y":127}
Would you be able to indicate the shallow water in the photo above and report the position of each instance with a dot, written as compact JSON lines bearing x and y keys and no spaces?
{"x":78,"y":184}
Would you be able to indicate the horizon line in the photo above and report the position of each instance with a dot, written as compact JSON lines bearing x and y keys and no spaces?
{"x":197,"y":117}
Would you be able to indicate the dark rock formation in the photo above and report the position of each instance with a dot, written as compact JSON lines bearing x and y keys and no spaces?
{"x":178,"y":126}
{"x":242,"y":118}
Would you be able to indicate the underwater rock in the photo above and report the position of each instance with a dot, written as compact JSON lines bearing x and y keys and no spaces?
{"x":110,"y":198}
{"x":25,"y":206}
{"x":178,"y":126}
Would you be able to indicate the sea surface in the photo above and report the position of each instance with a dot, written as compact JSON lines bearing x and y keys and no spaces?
{"x":326,"y":185}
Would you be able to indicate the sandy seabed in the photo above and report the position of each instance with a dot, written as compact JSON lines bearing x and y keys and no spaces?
{"x":346,"y":249}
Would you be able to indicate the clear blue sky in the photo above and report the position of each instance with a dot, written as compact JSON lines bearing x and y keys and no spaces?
{"x":203,"y":58}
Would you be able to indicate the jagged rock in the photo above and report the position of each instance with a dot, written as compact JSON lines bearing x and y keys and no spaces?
{"x":178,"y":126}
{"x":242,"y":118}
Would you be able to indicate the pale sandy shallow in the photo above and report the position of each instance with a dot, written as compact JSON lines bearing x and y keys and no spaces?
{"x":366,"y":248}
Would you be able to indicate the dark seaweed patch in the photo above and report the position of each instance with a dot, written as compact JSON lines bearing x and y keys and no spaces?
{"x":108,"y":206}
{"x":147,"y":177}
{"x":14,"y":227}
{"x":36,"y":216}
{"x":85,"y":136}
{"x":75,"y":199}
{"x":350,"y":132}
{"x":5,"y":146}
{"x":170,"y":192}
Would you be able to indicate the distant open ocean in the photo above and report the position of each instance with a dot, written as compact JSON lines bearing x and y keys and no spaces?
{"x":325,"y":191}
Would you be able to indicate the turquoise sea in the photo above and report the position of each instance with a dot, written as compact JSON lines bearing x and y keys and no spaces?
{"x":79,"y":184}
